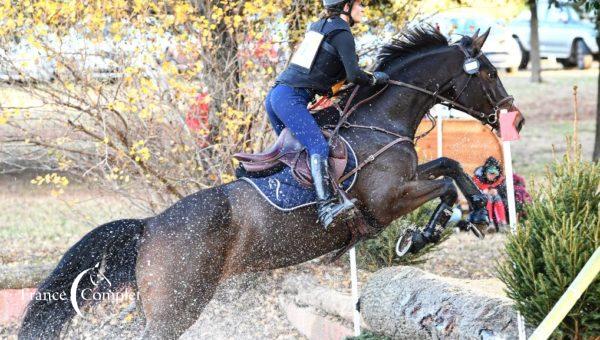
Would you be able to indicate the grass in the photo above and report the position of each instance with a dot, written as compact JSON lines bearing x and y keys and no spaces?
{"x":36,"y":227}
{"x":548,"y":108}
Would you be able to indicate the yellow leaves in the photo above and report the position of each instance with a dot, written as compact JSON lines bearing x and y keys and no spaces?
{"x":57,"y":182}
{"x":182,"y":11}
{"x":144,"y":113}
{"x":140,"y":151}
{"x":69,"y":86}
{"x":226,"y":178}
{"x":237,"y":20}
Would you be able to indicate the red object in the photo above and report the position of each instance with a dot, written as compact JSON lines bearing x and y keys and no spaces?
{"x":321,"y":104}
{"x":13,"y":303}
{"x":494,"y":208}
{"x":498,"y":210}
{"x":508,"y":130}
{"x":197,"y":118}
{"x":482,"y":185}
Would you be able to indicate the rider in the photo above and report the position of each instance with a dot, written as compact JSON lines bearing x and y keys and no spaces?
{"x":326,"y":56}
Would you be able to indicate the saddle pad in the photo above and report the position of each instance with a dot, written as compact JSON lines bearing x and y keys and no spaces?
{"x":283,"y":192}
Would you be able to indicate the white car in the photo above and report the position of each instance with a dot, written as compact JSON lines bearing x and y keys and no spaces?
{"x":500,"y":47}
{"x":21,"y":61}
{"x":87,"y":56}
{"x":563,"y":34}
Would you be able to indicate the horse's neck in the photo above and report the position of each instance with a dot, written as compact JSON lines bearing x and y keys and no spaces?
{"x":400,"y":109}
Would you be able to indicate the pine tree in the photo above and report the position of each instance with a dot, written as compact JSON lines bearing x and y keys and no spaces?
{"x":549,"y":249}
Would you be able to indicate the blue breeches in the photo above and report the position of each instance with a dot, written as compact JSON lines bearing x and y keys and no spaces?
{"x":286,"y":107}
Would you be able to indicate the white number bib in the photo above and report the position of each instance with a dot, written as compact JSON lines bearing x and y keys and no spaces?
{"x":306,"y":53}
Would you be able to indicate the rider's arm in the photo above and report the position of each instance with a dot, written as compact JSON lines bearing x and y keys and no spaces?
{"x":344,"y":43}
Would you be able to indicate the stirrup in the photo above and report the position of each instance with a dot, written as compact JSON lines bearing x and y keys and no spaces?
{"x":329,"y":211}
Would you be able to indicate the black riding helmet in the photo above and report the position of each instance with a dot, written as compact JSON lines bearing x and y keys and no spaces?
{"x":338,"y":6}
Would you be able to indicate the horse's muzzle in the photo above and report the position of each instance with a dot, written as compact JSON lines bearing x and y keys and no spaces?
{"x":519,"y":120}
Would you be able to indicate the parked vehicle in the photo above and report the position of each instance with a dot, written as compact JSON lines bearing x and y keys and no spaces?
{"x":500,"y":48}
{"x":564,"y":35}
{"x":22,"y":61}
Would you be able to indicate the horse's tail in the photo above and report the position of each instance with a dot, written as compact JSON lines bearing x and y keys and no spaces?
{"x":111,"y":248}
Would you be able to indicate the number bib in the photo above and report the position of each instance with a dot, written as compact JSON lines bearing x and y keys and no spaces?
{"x":306,"y":53}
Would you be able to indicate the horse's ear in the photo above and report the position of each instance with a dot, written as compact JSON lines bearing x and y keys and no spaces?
{"x":478,"y":41}
{"x":475,"y":35}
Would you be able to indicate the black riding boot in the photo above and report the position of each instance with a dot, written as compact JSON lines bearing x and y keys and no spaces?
{"x":328,"y":209}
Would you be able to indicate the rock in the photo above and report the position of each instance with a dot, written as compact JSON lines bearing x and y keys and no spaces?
{"x":408,"y":303}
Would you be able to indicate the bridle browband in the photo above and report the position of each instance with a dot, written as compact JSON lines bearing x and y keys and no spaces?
{"x":468,"y":67}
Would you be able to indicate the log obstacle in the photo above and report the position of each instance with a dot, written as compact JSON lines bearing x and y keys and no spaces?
{"x":408,"y":303}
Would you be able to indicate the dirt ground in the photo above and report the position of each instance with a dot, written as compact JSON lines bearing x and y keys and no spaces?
{"x":36,"y":227}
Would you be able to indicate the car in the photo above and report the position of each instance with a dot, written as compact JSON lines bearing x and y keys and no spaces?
{"x":500,"y":48}
{"x":564,"y":35}
{"x":20,"y":60}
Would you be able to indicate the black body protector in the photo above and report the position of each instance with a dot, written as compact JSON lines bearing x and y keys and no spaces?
{"x":318,"y":64}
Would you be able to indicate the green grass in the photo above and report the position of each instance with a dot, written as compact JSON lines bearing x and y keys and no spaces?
{"x":36,"y":227}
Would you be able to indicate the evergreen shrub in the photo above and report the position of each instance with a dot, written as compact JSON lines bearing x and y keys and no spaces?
{"x":549,"y":249}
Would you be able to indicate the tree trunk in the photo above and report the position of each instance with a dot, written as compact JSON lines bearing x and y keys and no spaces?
{"x":596,"y":155}
{"x":408,"y":303}
{"x":534,"y":53}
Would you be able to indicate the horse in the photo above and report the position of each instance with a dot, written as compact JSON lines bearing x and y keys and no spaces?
{"x":177,"y":258}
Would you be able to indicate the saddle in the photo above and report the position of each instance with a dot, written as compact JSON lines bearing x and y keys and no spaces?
{"x":288,"y":150}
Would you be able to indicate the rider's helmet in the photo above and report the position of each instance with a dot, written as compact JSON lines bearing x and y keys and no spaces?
{"x":332,"y":3}
{"x":337,"y":7}
{"x":492,"y":166}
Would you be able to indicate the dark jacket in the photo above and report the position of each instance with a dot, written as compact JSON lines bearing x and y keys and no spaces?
{"x":335,"y":60}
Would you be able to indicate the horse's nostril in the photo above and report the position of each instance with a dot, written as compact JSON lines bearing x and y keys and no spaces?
{"x":520,"y":125}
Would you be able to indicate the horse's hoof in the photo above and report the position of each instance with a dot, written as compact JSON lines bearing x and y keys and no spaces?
{"x":479,"y":217}
{"x":473,"y":228}
{"x":404,"y":243}
{"x":419,"y":241}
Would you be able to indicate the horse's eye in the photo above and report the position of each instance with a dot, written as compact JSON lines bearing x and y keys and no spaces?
{"x":493,"y":75}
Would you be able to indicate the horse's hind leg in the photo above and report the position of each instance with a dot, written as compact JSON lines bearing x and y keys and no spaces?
{"x":178,"y":272}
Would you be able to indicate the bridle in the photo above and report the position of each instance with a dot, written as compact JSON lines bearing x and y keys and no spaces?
{"x":471,"y":66}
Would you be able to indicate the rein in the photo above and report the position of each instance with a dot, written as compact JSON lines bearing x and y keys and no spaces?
{"x":348,"y":110}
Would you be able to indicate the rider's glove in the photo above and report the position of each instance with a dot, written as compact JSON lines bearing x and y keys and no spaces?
{"x":380,"y":78}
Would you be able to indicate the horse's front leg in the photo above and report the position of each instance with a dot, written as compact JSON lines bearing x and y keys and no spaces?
{"x":447,"y":167}
{"x":416,"y":193}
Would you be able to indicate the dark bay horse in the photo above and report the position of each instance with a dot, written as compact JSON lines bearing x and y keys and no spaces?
{"x":178,"y":258}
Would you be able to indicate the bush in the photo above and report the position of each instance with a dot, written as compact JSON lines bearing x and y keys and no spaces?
{"x":380,"y":252}
{"x":553,"y":244}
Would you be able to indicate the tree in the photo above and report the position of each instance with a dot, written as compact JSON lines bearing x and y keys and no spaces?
{"x":536,"y":68}
{"x":125,"y":76}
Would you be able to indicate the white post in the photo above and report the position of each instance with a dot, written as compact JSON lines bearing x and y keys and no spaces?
{"x":512,"y":212}
{"x":354,"y":280}
{"x":510,"y":187}
{"x":440,"y":135}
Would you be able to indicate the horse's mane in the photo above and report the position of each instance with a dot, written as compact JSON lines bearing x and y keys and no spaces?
{"x":409,"y":42}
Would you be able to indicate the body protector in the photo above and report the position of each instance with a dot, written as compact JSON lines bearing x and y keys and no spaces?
{"x":316,"y":64}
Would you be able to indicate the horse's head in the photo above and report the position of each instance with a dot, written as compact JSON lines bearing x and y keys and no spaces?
{"x":478,"y":86}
